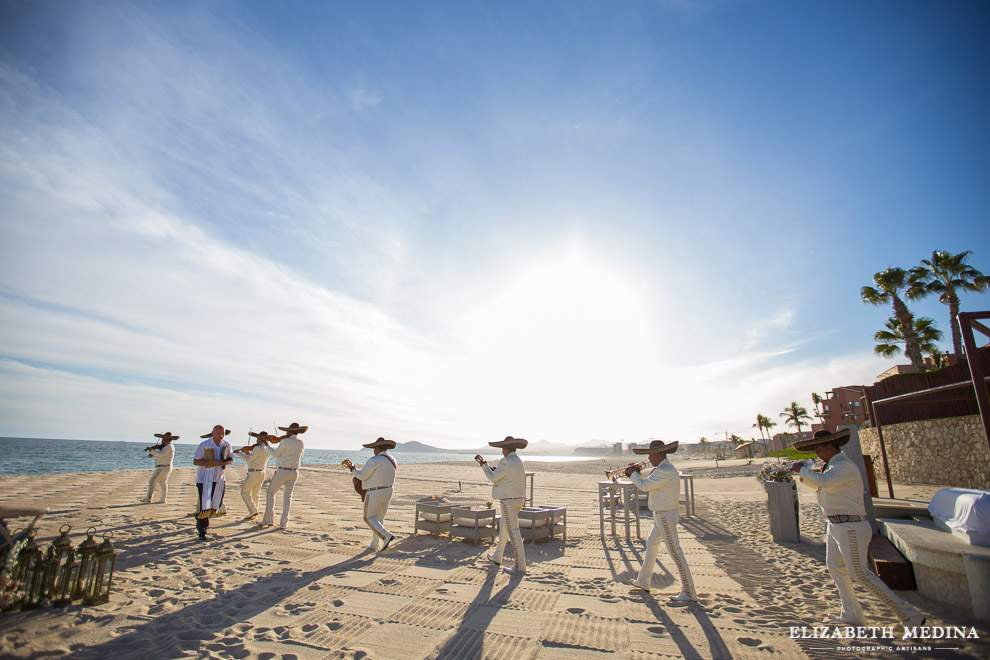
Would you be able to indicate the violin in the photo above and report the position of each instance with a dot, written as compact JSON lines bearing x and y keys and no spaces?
{"x":161,"y":445}
{"x":263,"y":439}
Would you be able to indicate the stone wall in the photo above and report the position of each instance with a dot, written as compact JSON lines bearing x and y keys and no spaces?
{"x":943,"y":452}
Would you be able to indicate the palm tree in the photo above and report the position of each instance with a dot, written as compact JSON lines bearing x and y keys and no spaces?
{"x":817,"y":399}
{"x":794,"y":415}
{"x":763,"y":422}
{"x":924,"y":329}
{"x":889,"y":285}
{"x":703,"y":441}
{"x":944,"y":274}
{"x":768,"y":424}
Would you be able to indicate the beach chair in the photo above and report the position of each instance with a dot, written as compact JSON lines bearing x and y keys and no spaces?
{"x":558,"y":520}
{"x":534,"y":524}
{"x":9,"y":539}
{"x":432,"y":517}
{"x":473,"y":524}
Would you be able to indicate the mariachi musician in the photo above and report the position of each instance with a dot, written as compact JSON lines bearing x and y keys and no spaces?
{"x":256,"y":456}
{"x":840,"y":491}
{"x":663,"y":485}
{"x":377,"y":479}
{"x":163,"y":453}
{"x":509,"y":488}
{"x":288,"y":458}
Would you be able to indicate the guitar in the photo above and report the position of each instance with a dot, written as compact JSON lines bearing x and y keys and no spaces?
{"x":357,"y":482}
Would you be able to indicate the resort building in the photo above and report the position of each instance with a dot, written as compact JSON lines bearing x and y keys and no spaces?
{"x":844,"y":406}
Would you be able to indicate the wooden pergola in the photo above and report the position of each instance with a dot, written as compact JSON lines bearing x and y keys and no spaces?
{"x":956,"y":391}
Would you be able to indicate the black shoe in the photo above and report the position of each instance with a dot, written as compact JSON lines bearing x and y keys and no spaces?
{"x":385,"y":547}
{"x":202,"y":537}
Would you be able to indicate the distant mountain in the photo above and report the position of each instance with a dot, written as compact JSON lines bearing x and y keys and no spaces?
{"x":541,"y":447}
{"x":420,"y":448}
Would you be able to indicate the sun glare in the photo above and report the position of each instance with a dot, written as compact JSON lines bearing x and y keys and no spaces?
{"x":563,"y":348}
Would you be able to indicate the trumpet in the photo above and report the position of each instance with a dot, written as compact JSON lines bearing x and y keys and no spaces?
{"x":615,"y":474}
{"x":780,"y":472}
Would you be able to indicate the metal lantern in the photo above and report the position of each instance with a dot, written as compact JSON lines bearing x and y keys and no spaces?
{"x":65,"y":584}
{"x":27,"y":559}
{"x":36,"y":582}
{"x":87,"y":566}
{"x":60,"y":554}
{"x":99,"y":580}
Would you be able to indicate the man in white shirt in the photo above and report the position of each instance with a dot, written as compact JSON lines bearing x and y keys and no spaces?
{"x":256,"y":456}
{"x":288,"y":457}
{"x":163,"y":454}
{"x":663,"y":486}
{"x":212,"y":457}
{"x":378,"y":480}
{"x":509,"y":488}
{"x":840,"y":493}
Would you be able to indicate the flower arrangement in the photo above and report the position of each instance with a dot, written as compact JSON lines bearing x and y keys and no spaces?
{"x":488,"y":504}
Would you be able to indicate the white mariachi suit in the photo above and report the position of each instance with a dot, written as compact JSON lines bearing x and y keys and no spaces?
{"x":163,"y":468}
{"x":663,"y":486}
{"x":378,"y":480}
{"x":288,"y":457}
{"x":257,"y":461}
{"x":509,"y":479}
{"x":840,"y":494}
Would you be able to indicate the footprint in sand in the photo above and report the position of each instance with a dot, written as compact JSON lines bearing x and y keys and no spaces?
{"x":309,"y":627}
{"x":335,"y":625}
{"x":337,"y":602}
{"x":155,"y":593}
{"x":576,"y":610}
{"x":749,"y":641}
{"x":734,"y":610}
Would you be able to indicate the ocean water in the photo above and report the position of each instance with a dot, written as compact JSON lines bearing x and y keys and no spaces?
{"x":26,"y":456}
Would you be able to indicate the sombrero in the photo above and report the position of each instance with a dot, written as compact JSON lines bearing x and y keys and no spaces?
{"x":658,"y":447}
{"x":293,"y":428}
{"x":261,"y":434}
{"x":381,"y":442}
{"x":510,"y":443}
{"x":167,"y":435}
{"x":823,"y":437}
{"x":210,"y":434}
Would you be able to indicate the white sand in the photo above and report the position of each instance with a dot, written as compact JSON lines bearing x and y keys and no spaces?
{"x":312,"y":591}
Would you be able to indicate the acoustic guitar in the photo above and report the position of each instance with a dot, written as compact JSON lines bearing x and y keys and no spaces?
{"x":357,"y":482}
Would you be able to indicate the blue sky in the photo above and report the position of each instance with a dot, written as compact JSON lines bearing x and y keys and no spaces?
{"x":449,"y":222}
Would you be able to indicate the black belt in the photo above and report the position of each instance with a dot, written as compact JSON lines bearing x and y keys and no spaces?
{"x":285,"y":468}
{"x":368,"y":490}
{"x":256,"y":469}
{"x":843,"y":519}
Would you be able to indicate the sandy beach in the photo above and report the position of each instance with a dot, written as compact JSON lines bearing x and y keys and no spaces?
{"x":314,"y":591}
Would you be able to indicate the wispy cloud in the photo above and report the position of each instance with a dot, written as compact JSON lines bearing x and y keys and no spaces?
{"x":204,"y":219}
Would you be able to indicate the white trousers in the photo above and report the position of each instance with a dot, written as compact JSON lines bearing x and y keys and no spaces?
{"x":286,"y":478}
{"x":846,"y":546}
{"x":159,"y":478}
{"x":509,"y":531}
{"x":665,"y":527}
{"x":251,"y":489}
{"x":375,"y":507}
